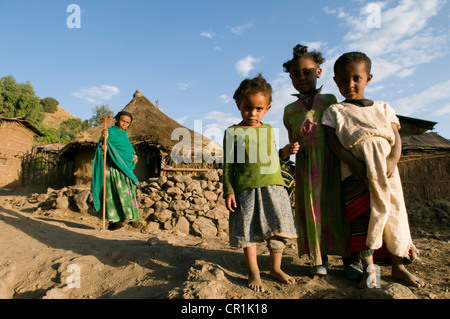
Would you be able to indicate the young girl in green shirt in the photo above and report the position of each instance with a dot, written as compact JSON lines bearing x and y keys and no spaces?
{"x":254,"y":191}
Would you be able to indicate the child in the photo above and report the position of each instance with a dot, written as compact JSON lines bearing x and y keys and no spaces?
{"x":323,"y":228}
{"x":364,"y":135}
{"x":253,"y":187}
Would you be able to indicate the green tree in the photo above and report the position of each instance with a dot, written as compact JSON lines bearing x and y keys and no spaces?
{"x":100,"y":112}
{"x":70,"y":128}
{"x":50,"y":136}
{"x":20,"y":100}
{"x":49,"y":104}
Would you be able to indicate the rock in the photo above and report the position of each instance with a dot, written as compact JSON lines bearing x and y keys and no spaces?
{"x":162,"y":180}
{"x":62,"y":203}
{"x":182,"y":225}
{"x":390,"y":291}
{"x":172,"y":191}
{"x":151,"y":227}
{"x":204,"y":227}
{"x":163,"y":216}
{"x":219,"y":212}
{"x":209,"y":195}
{"x":177,"y":205}
{"x":194,"y":186}
{"x":148,"y":202}
{"x":42,"y":198}
{"x":179,"y":178}
{"x":211,"y":175}
{"x":56,"y":293}
{"x":81,"y":199}
{"x":161,"y":205}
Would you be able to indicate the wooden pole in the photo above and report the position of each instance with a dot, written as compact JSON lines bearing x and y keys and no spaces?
{"x":105,"y":147}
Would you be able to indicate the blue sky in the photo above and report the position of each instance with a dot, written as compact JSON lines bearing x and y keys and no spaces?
{"x":191,"y":55}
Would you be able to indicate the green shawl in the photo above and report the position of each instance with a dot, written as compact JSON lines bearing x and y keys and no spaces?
{"x":121,"y":152}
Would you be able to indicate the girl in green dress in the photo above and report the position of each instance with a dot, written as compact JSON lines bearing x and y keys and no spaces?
{"x":253,"y":187}
{"x":323,"y":227}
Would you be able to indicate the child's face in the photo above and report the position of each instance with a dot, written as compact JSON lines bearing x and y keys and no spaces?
{"x":304,"y":74}
{"x":253,"y":107}
{"x":352,"y":79}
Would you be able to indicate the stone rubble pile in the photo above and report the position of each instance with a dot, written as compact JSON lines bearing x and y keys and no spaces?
{"x":185,"y":203}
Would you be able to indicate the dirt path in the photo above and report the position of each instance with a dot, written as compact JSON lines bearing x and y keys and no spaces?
{"x":68,"y":255}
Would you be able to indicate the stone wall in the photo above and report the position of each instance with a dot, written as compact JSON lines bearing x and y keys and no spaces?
{"x":185,"y":203}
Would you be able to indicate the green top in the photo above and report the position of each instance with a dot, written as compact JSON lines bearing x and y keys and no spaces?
{"x":121,"y":152}
{"x":250,"y":159}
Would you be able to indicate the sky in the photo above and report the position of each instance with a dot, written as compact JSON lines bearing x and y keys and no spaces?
{"x":191,"y":55}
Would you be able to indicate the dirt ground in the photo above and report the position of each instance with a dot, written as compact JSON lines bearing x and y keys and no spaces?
{"x":65,"y":255}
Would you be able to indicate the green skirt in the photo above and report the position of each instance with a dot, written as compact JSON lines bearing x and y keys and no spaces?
{"x":121,"y":201}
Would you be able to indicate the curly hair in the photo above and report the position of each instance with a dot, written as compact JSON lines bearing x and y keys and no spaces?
{"x":301,"y":51}
{"x":253,"y":86}
{"x":351,"y":57}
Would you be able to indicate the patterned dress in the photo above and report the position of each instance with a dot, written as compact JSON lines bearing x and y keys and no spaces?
{"x":120,"y":188}
{"x":323,"y":227}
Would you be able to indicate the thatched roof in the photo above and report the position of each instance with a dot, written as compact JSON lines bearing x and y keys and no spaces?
{"x":150,"y":125}
{"x":413,"y":126}
{"x":24,"y":122}
{"x":428,"y":142}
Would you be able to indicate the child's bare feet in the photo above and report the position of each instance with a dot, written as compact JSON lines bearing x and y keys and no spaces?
{"x":282,"y":276}
{"x":402,"y":274}
{"x":255,"y":283}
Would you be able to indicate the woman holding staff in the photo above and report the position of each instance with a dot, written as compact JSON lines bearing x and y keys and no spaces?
{"x":120,"y":202}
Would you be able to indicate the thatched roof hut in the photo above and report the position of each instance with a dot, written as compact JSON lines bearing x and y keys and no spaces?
{"x":425,"y":163}
{"x":151,"y":135}
{"x":17,"y":137}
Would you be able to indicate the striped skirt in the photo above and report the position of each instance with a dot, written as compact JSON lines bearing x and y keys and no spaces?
{"x":357,"y":205}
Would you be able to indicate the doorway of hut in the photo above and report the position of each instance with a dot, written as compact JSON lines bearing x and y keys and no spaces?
{"x":149,"y":161}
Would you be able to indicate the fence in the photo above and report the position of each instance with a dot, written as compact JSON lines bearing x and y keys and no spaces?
{"x":43,"y":169}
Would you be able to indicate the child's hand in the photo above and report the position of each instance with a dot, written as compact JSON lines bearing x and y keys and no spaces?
{"x":230,"y":202}
{"x":391,"y":163}
{"x":290,"y":149}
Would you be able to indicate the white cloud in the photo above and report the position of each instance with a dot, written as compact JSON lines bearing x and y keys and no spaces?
{"x":403,"y":41}
{"x":225,"y":98}
{"x":97,"y":94}
{"x":183,"y":86}
{"x":245,"y":65}
{"x":240,"y":29}
{"x":207,"y":34}
{"x":314,"y":45}
{"x":433,"y":101}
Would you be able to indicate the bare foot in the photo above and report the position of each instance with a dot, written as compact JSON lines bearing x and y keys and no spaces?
{"x":282,"y":276}
{"x":402,"y":274}
{"x":255,"y":283}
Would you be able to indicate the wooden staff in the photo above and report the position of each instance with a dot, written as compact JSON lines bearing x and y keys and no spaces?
{"x":105,"y":147}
